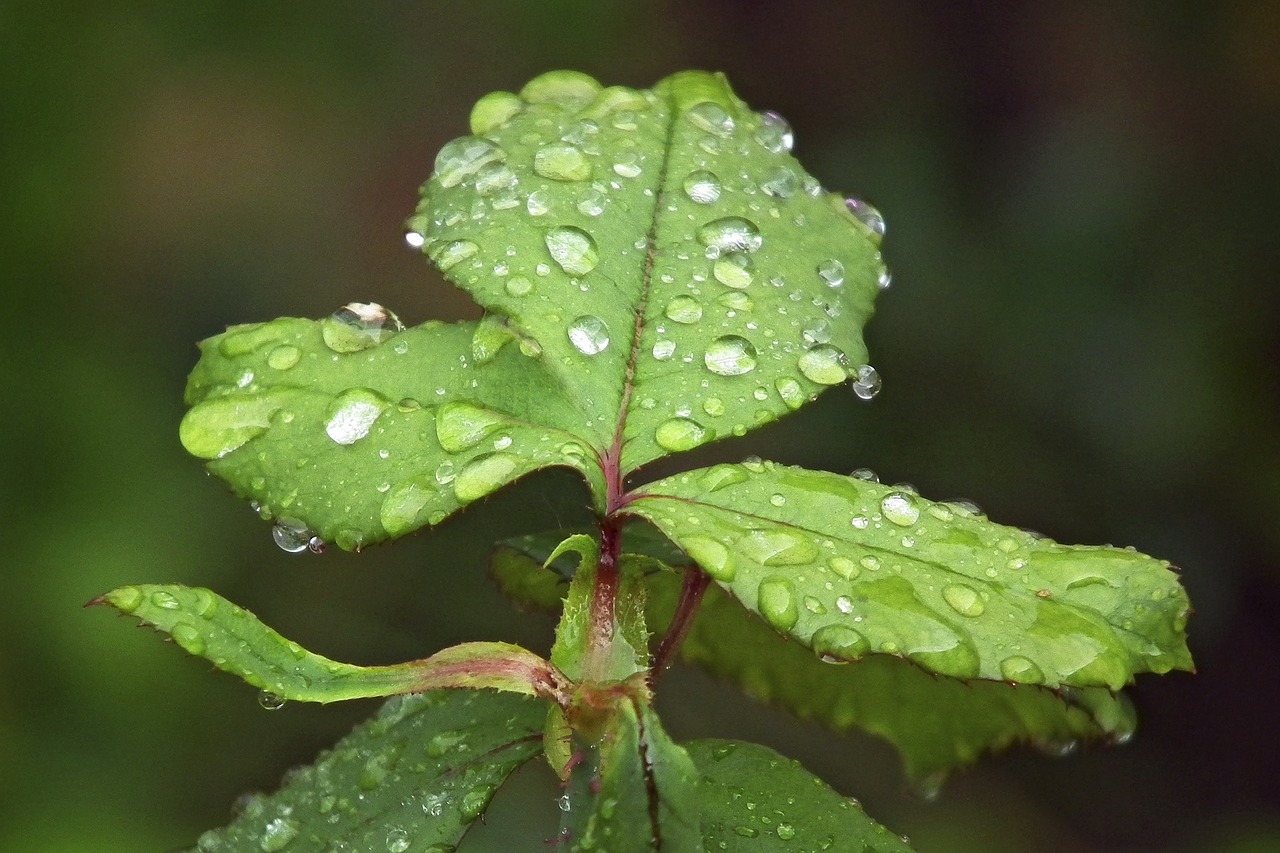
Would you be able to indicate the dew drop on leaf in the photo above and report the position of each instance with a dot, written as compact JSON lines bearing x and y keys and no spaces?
{"x":283,"y":357}
{"x":713,"y":406}
{"x":357,"y":326}
{"x":291,"y":536}
{"x":352,"y":415}
{"x":702,"y":187}
{"x":832,"y":272}
{"x":720,"y":476}
{"x":270,"y":702}
{"x":572,"y":249}
{"x":462,"y":157}
{"x":730,"y":234}
{"x":791,"y":392}
{"x":844,"y":567}
{"x":780,"y":183}
{"x":167,"y":600}
{"x":777,"y":548}
{"x":663,"y":350}
{"x":684,"y":309}
{"x":447,"y":254}
{"x":678,"y":434}
{"x":866,"y":382}
{"x":397,"y":840}
{"x":774,"y":134}
{"x":730,"y":355}
{"x":838,"y":644}
{"x":592,"y":204}
{"x":1021,"y":670}
{"x":493,"y":178}
{"x":900,"y":508}
{"x":734,"y":270}
{"x":627,"y":165}
{"x":868,"y":216}
{"x":188,"y":636}
{"x":711,"y":555}
{"x":777,"y":603}
{"x":823,"y":364}
{"x":401,"y":506}
{"x":561,"y":162}
{"x":461,"y":426}
{"x":482,"y":475}
{"x":963,"y":599}
{"x":588,"y":334}
{"x":518,"y":285}
{"x":710,"y":117}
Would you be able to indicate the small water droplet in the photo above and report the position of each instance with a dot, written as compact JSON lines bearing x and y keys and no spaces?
{"x":292,"y":536}
{"x":561,"y":162}
{"x":414,"y":239}
{"x":188,"y":636}
{"x":844,"y":604}
{"x":270,"y":701}
{"x":712,"y":118}
{"x":866,"y":382}
{"x":780,"y":183}
{"x":832,"y":272}
{"x":592,"y":204}
{"x":400,"y":508}
{"x":868,"y":216}
{"x":684,"y":309}
{"x":167,"y":600}
{"x":791,"y":392}
{"x":720,"y":476}
{"x":564,"y":803}
{"x":283,"y":357}
{"x":734,"y":270}
{"x":679,"y":434}
{"x":865,"y":474}
{"x":663,"y":350}
{"x":357,"y":326}
{"x":838,"y":643}
{"x":627,"y":165}
{"x":461,"y":426}
{"x":463,"y":157}
{"x":1020,"y":669}
{"x":538,"y":203}
{"x":844,"y":567}
{"x":713,"y":406}
{"x":777,"y":548}
{"x":823,"y":364}
{"x":776,"y":601}
{"x":777,"y":499}
{"x":397,"y":840}
{"x":963,"y":599}
{"x":518,"y":285}
{"x":900,"y":508}
{"x":482,"y":475}
{"x":447,"y":254}
{"x":493,"y":178}
{"x":884,"y":279}
{"x":588,"y":334}
{"x":774,"y":133}
{"x":572,"y":249}
{"x":730,"y":234}
{"x":702,"y":187}
{"x":785,"y":831}
{"x":730,"y":355}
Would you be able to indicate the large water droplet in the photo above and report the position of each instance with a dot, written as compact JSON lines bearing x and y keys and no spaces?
{"x":352,"y":415}
{"x":588,"y":334}
{"x":188,"y":637}
{"x":711,"y":117}
{"x":592,"y":204}
{"x":900,"y":508}
{"x":823,"y":364}
{"x":401,"y":507}
{"x":730,"y":355}
{"x":518,"y":285}
{"x":777,"y":548}
{"x":678,"y":434}
{"x":777,"y":603}
{"x":866,"y":382}
{"x":358,"y":326}
{"x":963,"y":599}
{"x":1020,"y":669}
{"x":838,"y":644}
{"x":684,"y":309}
{"x":868,"y":216}
{"x":561,"y":162}
{"x":663,"y":350}
{"x":734,"y":270}
{"x":573,"y":249}
{"x":780,"y":183}
{"x":284,"y":357}
{"x":844,"y":567}
{"x":774,"y":134}
{"x":711,"y":555}
{"x":493,"y":178}
{"x":702,"y":187}
{"x":461,"y":426}
{"x":791,"y":392}
{"x":721,"y":476}
{"x":730,"y":234}
{"x":293,"y":537}
{"x":627,"y":165}
{"x":447,"y":254}
{"x":483,"y":475}
{"x":397,"y":840}
{"x":462,"y":157}
{"x":538,"y":203}
{"x":269,"y":701}
{"x":832,"y":272}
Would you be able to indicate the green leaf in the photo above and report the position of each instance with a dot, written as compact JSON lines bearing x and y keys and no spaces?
{"x":850,"y":568}
{"x":658,"y":272}
{"x":643,"y":795}
{"x":755,"y":800}
{"x":205,"y":624}
{"x":413,"y":778}
{"x":936,"y":724}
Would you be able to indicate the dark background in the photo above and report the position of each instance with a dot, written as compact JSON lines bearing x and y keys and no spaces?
{"x":1082,"y":204}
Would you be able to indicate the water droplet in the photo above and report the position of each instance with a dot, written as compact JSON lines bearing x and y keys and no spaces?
{"x":721,"y":476}
{"x":702,"y":187}
{"x":167,"y":600}
{"x":844,"y":567}
{"x":866,"y":382}
{"x":730,"y":355}
{"x":462,"y":157}
{"x":734,"y":270}
{"x":684,"y":309}
{"x":588,"y":334}
{"x":832,"y":272}
{"x":777,"y":499}
{"x":538,"y":203}
{"x":291,"y":536}
{"x":447,"y":254}
{"x":730,"y":234}
{"x":777,"y":603}
{"x":283,"y":357}
{"x":492,"y":178}
{"x":414,"y":239}
{"x":592,"y":204}
{"x":126,"y":599}
{"x":777,"y":548}
{"x":844,"y":604}
{"x":188,"y":636}
{"x":401,"y":507}
{"x":774,"y":134}
{"x":1020,"y":669}
{"x":785,"y":831}
{"x":713,"y":406}
{"x":482,"y":475}
{"x":711,"y":555}
{"x":838,"y":643}
{"x":869,"y":562}
{"x":736,"y":300}
{"x":561,"y":162}
{"x":711,"y":117}
{"x":572,"y":249}
{"x":780,"y":183}
{"x":519,"y":285}
{"x":358,"y":326}
{"x":900,"y":508}
{"x":963,"y":599}
{"x":270,"y":702}
{"x":865,"y":474}
{"x":564,"y":803}
{"x":791,"y":392}
{"x":823,"y":364}
{"x":868,"y":216}
{"x":397,"y":841}
{"x":677,"y":434}
{"x":884,"y":279}
{"x":461,"y":426}
{"x":473,"y":803}
{"x":352,"y":414}
{"x":663,"y":350}
{"x":627,"y":165}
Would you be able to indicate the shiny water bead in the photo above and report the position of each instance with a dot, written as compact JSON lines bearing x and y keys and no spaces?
{"x":831,"y":271}
{"x":780,"y":183}
{"x":352,"y":414}
{"x":774,"y":134}
{"x":683,"y":309}
{"x":588,"y":334}
{"x":358,"y":326}
{"x":702,"y":187}
{"x":561,"y":162}
{"x":866,"y":382}
{"x":734,"y":269}
{"x":493,"y":178}
{"x":868,"y":216}
{"x":730,"y":234}
{"x":572,"y":249}
{"x":463,"y":157}
{"x":447,"y":254}
{"x":730,"y":355}
{"x":678,"y":434}
{"x":823,"y":364}
{"x":712,"y":118}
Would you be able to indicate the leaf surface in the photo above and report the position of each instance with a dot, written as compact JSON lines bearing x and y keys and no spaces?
{"x":754,"y":799}
{"x":850,"y":568}
{"x":658,"y":272}
{"x":412,"y":779}
{"x":234,"y":640}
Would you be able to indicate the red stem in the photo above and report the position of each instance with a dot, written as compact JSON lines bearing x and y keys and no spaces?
{"x":602,"y":619}
{"x":691,"y":590}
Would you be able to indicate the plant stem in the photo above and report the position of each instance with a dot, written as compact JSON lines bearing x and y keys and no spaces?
{"x":602,"y":618}
{"x":691,"y":590}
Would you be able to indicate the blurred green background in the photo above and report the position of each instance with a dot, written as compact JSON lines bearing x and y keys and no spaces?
{"x":1082,"y":200}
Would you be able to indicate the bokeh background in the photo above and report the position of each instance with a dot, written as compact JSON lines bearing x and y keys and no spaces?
{"x":1083,"y":203}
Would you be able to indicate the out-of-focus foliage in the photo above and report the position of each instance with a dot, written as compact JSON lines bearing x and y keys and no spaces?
{"x":1081,"y":202}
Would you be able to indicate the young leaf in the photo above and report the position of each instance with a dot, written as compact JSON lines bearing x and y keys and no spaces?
{"x":207,"y":625}
{"x":937,"y":724}
{"x":415,"y":777}
{"x":755,"y":801}
{"x":849,"y":567}
{"x":643,"y":796}
{"x":658,"y":271}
